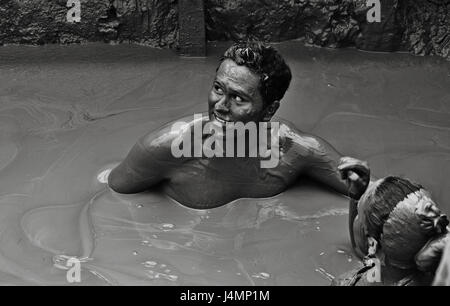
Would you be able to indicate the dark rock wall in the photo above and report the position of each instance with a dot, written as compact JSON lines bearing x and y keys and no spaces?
{"x":419,"y":26}
{"x":150,"y":22}
{"x":427,"y":26}
{"x":191,"y":35}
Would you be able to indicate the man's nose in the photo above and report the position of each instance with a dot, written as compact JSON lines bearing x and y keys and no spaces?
{"x":222,"y":106}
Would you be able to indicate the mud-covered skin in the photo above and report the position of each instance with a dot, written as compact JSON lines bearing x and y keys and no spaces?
{"x":442,"y":277}
{"x":200,"y":182}
{"x":389,"y":277}
{"x":398,"y":273}
{"x":426,"y":213}
{"x":357,"y":175}
{"x":429,"y":257}
{"x":212,"y":182}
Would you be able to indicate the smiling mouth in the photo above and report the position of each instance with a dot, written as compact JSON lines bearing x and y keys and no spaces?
{"x":220,"y":119}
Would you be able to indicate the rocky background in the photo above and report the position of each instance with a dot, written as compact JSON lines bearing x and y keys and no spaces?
{"x":149,"y":22}
{"x":419,"y":26}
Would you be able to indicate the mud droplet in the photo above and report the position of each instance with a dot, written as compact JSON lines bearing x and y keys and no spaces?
{"x":168,"y":226}
{"x":262,"y":275}
{"x":325,"y":273}
{"x":153,"y":275}
{"x":150,"y":264}
{"x":172,"y":278}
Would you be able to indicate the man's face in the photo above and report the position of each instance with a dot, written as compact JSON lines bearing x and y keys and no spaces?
{"x":235,"y":95}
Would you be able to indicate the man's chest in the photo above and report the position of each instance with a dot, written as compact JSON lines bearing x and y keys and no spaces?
{"x":213,"y":182}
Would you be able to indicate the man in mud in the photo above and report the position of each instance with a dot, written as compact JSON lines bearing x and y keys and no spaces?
{"x":250,"y":82}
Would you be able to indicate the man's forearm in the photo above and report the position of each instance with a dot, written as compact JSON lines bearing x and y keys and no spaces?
{"x":137,"y":172}
{"x":348,"y":176}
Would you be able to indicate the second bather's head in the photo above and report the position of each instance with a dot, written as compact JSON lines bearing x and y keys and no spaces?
{"x":402,"y":217}
{"x":250,"y":82}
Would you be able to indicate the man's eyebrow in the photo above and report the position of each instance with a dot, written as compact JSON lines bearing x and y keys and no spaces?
{"x":240,"y":93}
{"x":235,"y":90}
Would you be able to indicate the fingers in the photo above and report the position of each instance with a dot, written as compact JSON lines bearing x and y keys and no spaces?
{"x":350,"y":176}
{"x":428,"y":258}
{"x":427,"y":226}
{"x":347,"y":164}
{"x":373,"y":246}
{"x":357,"y":175}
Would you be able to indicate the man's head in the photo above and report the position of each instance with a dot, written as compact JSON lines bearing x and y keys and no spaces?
{"x":249,"y":85}
{"x":402,"y":217}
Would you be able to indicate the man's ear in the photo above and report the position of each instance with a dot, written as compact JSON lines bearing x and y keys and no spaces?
{"x":271,"y":110}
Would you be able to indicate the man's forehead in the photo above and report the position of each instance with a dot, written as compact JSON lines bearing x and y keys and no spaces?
{"x":240,"y":75}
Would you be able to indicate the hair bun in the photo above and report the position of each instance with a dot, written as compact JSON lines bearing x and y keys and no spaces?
{"x":402,"y":217}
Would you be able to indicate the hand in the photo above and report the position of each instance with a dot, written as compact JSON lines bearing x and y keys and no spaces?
{"x":428,"y":258}
{"x":430,"y":216}
{"x":357,"y":175}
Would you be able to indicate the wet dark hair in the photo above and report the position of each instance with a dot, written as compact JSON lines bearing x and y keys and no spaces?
{"x":267,"y":62}
{"x":398,"y":228}
{"x":391,"y":191}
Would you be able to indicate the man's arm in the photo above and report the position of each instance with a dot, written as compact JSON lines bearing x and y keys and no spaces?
{"x":323,"y":165}
{"x":348,"y":176}
{"x":147,"y":164}
{"x":137,"y":172}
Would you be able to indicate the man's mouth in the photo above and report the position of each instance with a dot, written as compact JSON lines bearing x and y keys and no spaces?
{"x":223,"y":121}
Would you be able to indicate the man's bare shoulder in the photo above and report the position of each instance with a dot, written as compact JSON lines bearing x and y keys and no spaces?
{"x":296,"y":141}
{"x":163,"y":137}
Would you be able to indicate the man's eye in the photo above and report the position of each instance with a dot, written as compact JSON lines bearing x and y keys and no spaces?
{"x":217,"y":89}
{"x":238,"y":99}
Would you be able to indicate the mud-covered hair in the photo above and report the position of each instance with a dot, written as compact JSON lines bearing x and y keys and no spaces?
{"x":383,"y":200}
{"x":267,"y":62}
{"x":393,"y":217}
